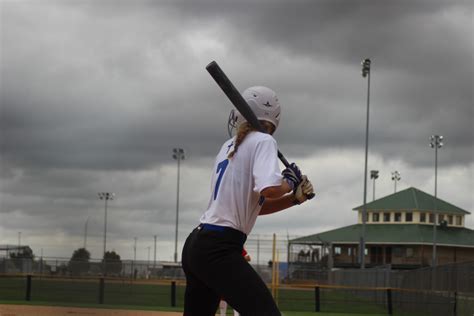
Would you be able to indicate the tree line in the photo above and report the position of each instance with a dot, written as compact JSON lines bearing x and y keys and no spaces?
{"x":79,"y":263}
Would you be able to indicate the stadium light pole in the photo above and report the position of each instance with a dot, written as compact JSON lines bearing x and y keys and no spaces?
{"x":365,"y":73}
{"x":148,"y":258}
{"x":132,"y":271}
{"x":374,"y":174}
{"x":134,"y":248}
{"x":436,"y":141}
{"x":154,"y":252}
{"x":85,"y":232}
{"x":396,"y":176}
{"x":178,"y":154}
{"x":106,"y":196}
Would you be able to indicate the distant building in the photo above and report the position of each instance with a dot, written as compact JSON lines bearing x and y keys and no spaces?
{"x":399,"y":232}
{"x":17,"y":259}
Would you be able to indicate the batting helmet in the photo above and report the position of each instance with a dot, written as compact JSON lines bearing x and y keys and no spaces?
{"x":264,"y":103}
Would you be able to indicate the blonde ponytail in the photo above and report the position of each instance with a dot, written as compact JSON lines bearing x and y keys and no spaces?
{"x":244,"y":129}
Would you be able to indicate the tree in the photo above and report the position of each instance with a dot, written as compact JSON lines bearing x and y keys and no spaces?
{"x":113,"y":263}
{"x":23,"y":256}
{"x":79,"y":263}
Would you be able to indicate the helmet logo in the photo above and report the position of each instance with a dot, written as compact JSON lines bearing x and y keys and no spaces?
{"x":268,"y":105}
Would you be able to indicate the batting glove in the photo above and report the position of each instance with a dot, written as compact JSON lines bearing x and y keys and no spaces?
{"x":303,"y":190}
{"x":292,"y":175}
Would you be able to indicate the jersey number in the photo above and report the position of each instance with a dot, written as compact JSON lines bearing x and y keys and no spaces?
{"x":220,"y":170}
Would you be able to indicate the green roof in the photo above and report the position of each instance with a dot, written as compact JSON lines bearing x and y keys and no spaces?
{"x":414,"y":200}
{"x":393,"y":233}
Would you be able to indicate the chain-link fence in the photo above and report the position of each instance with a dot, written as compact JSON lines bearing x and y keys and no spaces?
{"x":370,"y":290}
{"x":442,"y":290}
{"x":89,"y":268}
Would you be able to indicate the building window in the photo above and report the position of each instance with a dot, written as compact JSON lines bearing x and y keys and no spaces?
{"x":408,"y":217}
{"x":458,"y":220}
{"x":409,"y":252}
{"x":337,"y":250}
{"x":398,"y":252}
{"x":375,"y":217}
{"x":423,"y":217}
{"x":386,"y":217}
{"x":431,"y":218}
{"x":440,"y":218}
{"x":398,"y":217}
{"x":450,"y":219}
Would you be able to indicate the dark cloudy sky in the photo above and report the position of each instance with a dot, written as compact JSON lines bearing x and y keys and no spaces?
{"x":96,"y":94}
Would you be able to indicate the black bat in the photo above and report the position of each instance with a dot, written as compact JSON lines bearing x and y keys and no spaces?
{"x":239,"y":102}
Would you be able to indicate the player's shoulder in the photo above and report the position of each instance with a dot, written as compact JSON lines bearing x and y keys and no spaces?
{"x":259,"y":137}
{"x":227,"y":143}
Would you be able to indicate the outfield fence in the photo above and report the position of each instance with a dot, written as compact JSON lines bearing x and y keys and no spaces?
{"x":170,"y":293}
{"x":442,"y":290}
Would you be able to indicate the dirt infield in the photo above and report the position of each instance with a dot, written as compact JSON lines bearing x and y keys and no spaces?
{"x":20,"y":310}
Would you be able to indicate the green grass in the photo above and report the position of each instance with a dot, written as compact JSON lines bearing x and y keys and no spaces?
{"x":129,"y":295}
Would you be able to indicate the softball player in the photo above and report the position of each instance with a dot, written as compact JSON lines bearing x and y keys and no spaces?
{"x":223,"y":304}
{"x":246,"y":183}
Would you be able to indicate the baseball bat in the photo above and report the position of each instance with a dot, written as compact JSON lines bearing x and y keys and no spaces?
{"x":239,"y":102}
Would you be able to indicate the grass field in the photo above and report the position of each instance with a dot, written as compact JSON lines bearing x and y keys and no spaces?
{"x":152,"y":295}
{"x":128,"y":294}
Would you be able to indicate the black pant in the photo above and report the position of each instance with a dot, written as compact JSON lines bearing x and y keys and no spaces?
{"x":215,"y":268}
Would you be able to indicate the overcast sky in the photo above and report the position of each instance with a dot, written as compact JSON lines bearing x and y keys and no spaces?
{"x":96,"y":94}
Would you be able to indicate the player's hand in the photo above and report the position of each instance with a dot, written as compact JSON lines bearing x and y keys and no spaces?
{"x":303,"y":190}
{"x":292,"y":175}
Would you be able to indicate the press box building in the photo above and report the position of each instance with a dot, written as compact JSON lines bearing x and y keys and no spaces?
{"x":398,"y":231}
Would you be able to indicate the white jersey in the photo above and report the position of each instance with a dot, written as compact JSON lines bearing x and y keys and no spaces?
{"x":237,"y":182}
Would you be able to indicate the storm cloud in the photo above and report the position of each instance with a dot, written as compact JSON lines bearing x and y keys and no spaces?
{"x":96,"y":94}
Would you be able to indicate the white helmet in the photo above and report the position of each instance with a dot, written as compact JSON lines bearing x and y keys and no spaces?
{"x":263,"y":102}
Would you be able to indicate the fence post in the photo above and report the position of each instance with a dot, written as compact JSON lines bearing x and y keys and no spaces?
{"x":28,"y":288}
{"x":101,"y":290}
{"x":173,"y":294}
{"x":317,"y":299}
{"x":389,"y":301}
{"x":455,"y":311}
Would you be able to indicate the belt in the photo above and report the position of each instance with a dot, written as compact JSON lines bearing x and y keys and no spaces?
{"x":214,"y":228}
{"x":234,"y":234}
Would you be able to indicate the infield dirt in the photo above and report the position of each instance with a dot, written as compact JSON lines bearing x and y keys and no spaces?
{"x":30,"y":310}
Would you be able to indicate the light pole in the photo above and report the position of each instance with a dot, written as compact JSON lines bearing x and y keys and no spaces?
{"x":148,"y":258}
{"x":85,"y":232}
{"x":365,"y":73}
{"x":134,"y":257}
{"x":106,"y":196}
{"x":436,"y":141}
{"x":374,"y":174}
{"x":396,"y":176}
{"x":154,"y":253}
{"x":134,"y":249}
{"x":178,"y":154}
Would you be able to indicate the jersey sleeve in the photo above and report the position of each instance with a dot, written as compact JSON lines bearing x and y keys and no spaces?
{"x":266,"y":171}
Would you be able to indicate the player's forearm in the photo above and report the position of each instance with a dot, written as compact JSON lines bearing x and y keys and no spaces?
{"x":276,"y":205}
{"x":276,"y":191}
